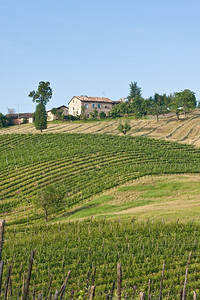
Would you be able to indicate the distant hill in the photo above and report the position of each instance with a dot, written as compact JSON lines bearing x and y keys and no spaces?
{"x":186,"y":130}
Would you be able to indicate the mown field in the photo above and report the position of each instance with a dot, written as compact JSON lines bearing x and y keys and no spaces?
{"x":129,"y":199}
{"x":186,"y":130}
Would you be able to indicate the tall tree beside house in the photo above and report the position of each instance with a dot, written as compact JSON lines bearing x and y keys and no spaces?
{"x":42,"y":97}
{"x":43,"y":93}
{"x":40,"y":117}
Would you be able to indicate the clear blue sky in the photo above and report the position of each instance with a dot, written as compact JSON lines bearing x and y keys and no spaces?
{"x":96,"y":48}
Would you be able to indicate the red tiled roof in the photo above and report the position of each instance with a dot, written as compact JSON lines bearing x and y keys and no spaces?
{"x":20,"y":115}
{"x":93,"y":99}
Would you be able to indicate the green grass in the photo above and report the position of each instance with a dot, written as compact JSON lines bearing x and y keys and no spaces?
{"x":161,"y":196}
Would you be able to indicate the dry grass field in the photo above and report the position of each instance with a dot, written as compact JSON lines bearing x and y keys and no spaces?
{"x":160,"y":198}
{"x":186,"y":130}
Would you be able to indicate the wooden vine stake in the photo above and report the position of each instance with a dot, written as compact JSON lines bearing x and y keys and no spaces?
{"x":119,"y":281}
{"x":161,"y":282}
{"x":142,"y":296}
{"x":112,"y":290}
{"x":149,"y":290}
{"x":92,"y":292}
{"x":63,"y":287}
{"x":186,"y":275}
{"x":2,"y":228}
{"x":28,"y":278}
{"x":7,"y":282}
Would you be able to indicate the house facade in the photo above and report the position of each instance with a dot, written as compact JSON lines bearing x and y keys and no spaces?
{"x":20,"y":118}
{"x":87,"y":105}
{"x":51,"y":117}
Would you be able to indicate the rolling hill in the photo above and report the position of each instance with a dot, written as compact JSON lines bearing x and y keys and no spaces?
{"x":186,"y":130}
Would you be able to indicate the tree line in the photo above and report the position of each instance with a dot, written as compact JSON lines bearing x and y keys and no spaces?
{"x":135,"y":104}
{"x":156,"y":105}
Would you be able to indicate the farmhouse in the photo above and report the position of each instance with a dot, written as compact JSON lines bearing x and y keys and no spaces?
{"x":20,"y":118}
{"x":63,"y":108}
{"x":86,"y":105}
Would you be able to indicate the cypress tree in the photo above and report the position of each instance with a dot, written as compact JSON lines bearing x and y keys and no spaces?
{"x":40,"y":117}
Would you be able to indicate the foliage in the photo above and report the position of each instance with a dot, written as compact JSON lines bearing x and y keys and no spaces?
{"x":80,"y":246}
{"x":158,"y":104}
{"x":124,"y":128}
{"x":4,"y":121}
{"x":86,"y":164}
{"x":43,"y":93}
{"x":135,"y":91}
{"x":102,"y":115}
{"x":71,"y":118}
{"x":40,"y":117}
{"x":188,"y":100}
{"x":83,"y":114}
{"x":58,"y":113}
{"x":94,"y":114}
{"x":50,"y":199}
{"x":183,"y":101}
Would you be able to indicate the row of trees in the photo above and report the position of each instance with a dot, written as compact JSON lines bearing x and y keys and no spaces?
{"x":179,"y":102}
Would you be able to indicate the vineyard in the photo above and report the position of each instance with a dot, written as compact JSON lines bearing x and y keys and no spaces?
{"x":84,"y":166}
{"x":91,"y":250}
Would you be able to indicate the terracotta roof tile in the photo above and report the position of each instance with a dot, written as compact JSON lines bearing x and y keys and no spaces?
{"x":94,"y":99}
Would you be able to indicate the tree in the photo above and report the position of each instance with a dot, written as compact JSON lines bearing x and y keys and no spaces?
{"x":124,"y":128}
{"x":83,"y":114}
{"x":41,"y":96}
{"x":40,"y":117}
{"x":183,"y":101}
{"x":49,"y":200}
{"x":134,"y":91}
{"x":4,"y":121}
{"x":43,"y":93}
{"x":102,"y":115}
{"x":188,"y":100}
{"x":158,"y":105}
{"x":58,"y":113}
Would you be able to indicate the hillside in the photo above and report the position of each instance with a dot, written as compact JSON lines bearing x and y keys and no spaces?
{"x":82,"y":165}
{"x":186,"y":130}
{"x":133,"y":200}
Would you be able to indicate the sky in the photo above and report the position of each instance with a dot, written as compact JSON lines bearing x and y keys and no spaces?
{"x":97,"y":48}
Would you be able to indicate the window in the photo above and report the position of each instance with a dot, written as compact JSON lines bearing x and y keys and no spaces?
{"x":99,"y":105}
{"x":86,"y":105}
{"x":93,"y":105}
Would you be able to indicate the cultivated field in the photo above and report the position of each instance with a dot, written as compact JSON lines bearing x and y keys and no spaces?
{"x":129,"y":199}
{"x":186,"y":130}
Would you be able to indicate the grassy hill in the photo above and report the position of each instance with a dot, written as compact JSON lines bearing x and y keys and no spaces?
{"x":186,"y":130}
{"x":82,"y":165}
{"x":128,"y":199}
